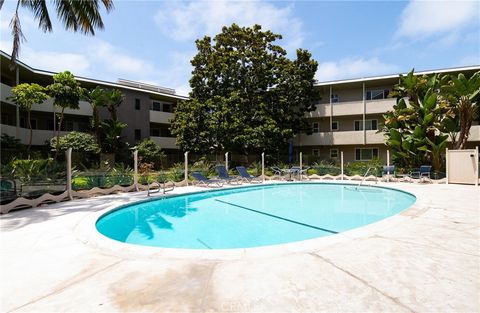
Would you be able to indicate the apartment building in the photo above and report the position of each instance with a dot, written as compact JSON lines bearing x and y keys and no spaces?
{"x":347,"y":118}
{"x":351,"y":112}
{"x":147,"y":109}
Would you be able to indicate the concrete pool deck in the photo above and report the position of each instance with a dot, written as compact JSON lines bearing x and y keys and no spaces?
{"x":425,"y":259}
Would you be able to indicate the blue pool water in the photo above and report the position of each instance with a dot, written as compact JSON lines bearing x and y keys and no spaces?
{"x":251,"y":216}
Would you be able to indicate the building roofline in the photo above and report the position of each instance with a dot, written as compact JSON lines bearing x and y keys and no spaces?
{"x":95,"y":81}
{"x":370,"y":78}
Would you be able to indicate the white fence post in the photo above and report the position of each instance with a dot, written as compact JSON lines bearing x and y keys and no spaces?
{"x":186,"y":168}
{"x":69,"y":173}
{"x":226,"y":161}
{"x":446,"y":165}
{"x":263,"y":167}
{"x":341,"y":164}
{"x":476,"y":165}
{"x":135,"y":169}
{"x":388,"y":166}
{"x":301,"y":165}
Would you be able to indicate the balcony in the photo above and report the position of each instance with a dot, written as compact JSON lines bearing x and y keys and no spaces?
{"x":340,"y":138}
{"x":38,"y":136}
{"x":379,"y":106}
{"x":160,"y":117}
{"x":47,"y":106}
{"x":165,"y":142}
{"x":344,"y":108}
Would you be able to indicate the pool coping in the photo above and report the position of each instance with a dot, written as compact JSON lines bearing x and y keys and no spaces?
{"x":86,"y":232}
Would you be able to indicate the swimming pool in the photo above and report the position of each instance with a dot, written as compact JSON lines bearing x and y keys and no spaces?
{"x":251,"y":216}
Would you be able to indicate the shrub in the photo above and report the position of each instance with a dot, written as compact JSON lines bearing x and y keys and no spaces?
{"x":78,"y":141}
{"x":150,"y":152}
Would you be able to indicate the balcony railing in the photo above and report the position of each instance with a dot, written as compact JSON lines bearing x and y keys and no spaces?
{"x":47,"y":106}
{"x":161,"y":117}
{"x":165,"y":142}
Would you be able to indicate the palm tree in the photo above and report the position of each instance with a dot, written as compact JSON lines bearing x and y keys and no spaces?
{"x":461,"y":93}
{"x":76,"y":15}
{"x":114,"y":98}
{"x":97,"y":98}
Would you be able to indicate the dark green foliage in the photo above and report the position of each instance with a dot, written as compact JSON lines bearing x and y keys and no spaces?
{"x":150,"y":152}
{"x":78,"y":141}
{"x":247,"y":96}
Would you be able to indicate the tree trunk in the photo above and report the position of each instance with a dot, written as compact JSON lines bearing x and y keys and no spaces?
{"x":57,"y":144}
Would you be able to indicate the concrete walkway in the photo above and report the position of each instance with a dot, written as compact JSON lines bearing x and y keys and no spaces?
{"x":426,"y":259}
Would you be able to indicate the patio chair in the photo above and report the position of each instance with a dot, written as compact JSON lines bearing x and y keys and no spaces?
{"x":223,"y":175}
{"x":277,"y":171}
{"x":8,"y":190}
{"x":246,"y":176}
{"x":297,"y":170}
{"x":388,"y":172}
{"x":422,"y":174}
{"x":202,"y":180}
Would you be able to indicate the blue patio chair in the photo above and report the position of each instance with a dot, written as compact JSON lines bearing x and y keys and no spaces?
{"x":246,"y":176}
{"x":422,"y":173}
{"x":388,"y":172}
{"x":223,"y":175}
{"x":202,"y":180}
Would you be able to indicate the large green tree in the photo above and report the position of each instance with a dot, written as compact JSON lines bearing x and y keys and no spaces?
{"x":25,"y":95}
{"x":76,"y":15}
{"x":247,"y":96}
{"x":66,"y":93}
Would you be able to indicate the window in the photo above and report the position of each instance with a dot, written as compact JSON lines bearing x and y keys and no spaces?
{"x":165,"y":132}
{"x":377,"y":94}
{"x":316,"y":152}
{"x":369,"y":125}
{"x":333,"y":153}
{"x":50,"y":124}
{"x":334,"y":98}
{"x":156,"y":106}
{"x":24,"y":124}
{"x":138,"y":134}
{"x":366,"y":154}
{"x":154,"y":132}
{"x":335,"y":125}
{"x":137,"y":104}
{"x":167,"y":107}
{"x":67,"y":126}
{"x":315,"y":127}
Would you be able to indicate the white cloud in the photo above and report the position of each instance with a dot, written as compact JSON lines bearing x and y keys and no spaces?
{"x":184,"y":21}
{"x":421,"y":19}
{"x":353,"y":68}
{"x":56,"y":61}
{"x":116,"y":60}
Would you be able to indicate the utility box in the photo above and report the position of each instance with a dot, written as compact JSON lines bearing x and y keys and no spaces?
{"x":462,"y":166}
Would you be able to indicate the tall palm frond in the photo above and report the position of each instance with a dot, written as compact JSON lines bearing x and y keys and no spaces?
{"x":76,"y":15}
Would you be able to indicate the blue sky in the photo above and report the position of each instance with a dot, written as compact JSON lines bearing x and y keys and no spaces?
{"x":153,"y":41}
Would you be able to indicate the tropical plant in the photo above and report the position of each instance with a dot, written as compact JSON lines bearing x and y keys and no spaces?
{"x":414,"y":130}
{"x":113,"y":135}
{"x":114,"y":98}
{"x":30,"y":170}
{"x":10,"y":142}
{"x":176,"y":172}
{"x":78,"y":141}
{"x":461,"y":94}
{"x":150,"y":152}
{"x":247,"y":96}
{"x":26,"y":95}
{"x":75,"y":15}
{"x":66,"y":93}
{"x":97,"y":98}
